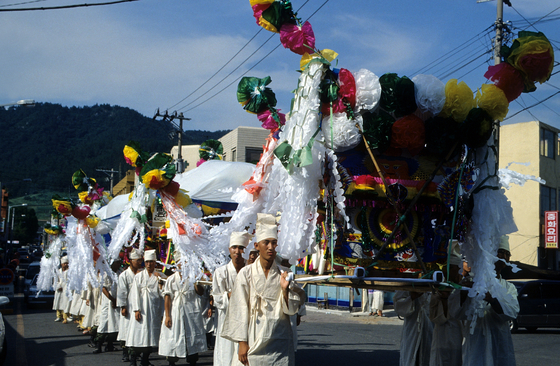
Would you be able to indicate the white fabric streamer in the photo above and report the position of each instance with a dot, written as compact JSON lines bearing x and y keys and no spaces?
{"x":48,"y":274}
{"x":127,"y":224}
{"x":492,"y":217}
{"x":509,"y":177}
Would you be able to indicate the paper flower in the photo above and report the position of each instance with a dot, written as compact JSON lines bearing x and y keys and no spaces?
{"x":409,"y":133}
{"x":477,"y":128}
{"x":507,"y":78}
{"x":211,"y":150}
{"x":429,"y":92}
{"x":254,"y":95}
{"x":270,"y":121}
{"x":326,"y":56}
{"x":441,"y":134}
{"x":134,"y":155}
{"x":368,"y":90}
{"x":532,"y":54}
{"x":275,"y":15}
{"x":81,"y":181}
{"x":298,"y":38}
{"x":340,"y":132}
{"x":397,"y":94}
{"x":158,"y":171}
{"x":62,"y":205}
{"x":493,"y":100}
{"x":377,"y":129}
{"x":458,"y":100}
{"x":81,"y":212}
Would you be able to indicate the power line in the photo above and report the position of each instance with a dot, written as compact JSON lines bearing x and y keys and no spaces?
{"x":252,"y":67}
{"x":531,"y":106}
{"x":24,"y":3}
{"x":68,"y":6}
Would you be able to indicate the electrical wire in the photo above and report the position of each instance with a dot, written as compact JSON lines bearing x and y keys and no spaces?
{"x":24,"y":3}
{"x":252,"y":67}
{"x":227,"y":63}
{"x":68,"y":6}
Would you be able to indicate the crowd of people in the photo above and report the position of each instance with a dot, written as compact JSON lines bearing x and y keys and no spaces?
{"x":436,"y":330}
{"x":252,"y":307}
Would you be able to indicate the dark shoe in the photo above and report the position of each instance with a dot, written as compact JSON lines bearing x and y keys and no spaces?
{"x":98,"y":346}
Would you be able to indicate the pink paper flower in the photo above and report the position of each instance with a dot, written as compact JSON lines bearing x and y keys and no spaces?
{"x":268,"y":120}
{"x":298,"y":39}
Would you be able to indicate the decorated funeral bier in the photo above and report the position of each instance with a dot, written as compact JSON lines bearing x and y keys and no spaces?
{"x":370,"y":176}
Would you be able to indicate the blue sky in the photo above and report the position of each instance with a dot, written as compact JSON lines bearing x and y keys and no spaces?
{"x":152,"y":54}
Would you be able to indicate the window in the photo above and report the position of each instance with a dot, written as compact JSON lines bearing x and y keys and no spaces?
{"x":252,"y":155}
{"x":233,"y":155}
{"x":548,"y":143}
{"x":548,"y":199}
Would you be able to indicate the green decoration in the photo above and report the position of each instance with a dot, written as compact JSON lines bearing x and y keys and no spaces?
{"x":397,"y":95}
{"x":477,"y":128}
{"x":210,"y":150}
{"x":253,"y":94}
{"x":377,"y":129}
{"x":160,"y":161}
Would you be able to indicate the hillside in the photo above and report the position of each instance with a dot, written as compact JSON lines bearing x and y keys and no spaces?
{"x":48,"y":142}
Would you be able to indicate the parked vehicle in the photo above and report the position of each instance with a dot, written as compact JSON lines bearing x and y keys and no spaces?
{"x":30,"y":273}
{"x":3,"y":340}
{"x":44,"y":297}
{"x":539,"y":304}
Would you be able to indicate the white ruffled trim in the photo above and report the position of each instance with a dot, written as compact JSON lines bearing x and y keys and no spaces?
{"x":368,"y":90}
{"x":429,"y":92}
{"x":345,"y":134}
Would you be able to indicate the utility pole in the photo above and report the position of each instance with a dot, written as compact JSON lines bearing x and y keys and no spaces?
{"x":181,"y":165}
{"x":110,"y":175}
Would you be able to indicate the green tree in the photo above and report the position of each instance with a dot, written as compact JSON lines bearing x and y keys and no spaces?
{"x":25,"y":225}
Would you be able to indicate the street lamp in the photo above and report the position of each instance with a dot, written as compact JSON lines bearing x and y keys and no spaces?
{"x":22,"y":102}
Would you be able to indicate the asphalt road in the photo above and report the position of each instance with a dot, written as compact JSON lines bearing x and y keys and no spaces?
{"x":326,"y":337}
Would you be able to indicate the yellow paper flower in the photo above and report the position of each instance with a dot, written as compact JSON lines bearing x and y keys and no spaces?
{"x":259,"y":2}
{"x":458,"y":100}
{"x":130,"y":155}
{"x":532,"y":45}
{"x":493,"y":100}
{"x":327,"y":54}
{"x":64,"y":207}
{"x":267,"y":25}
{"x":155,"y":179}
{"x":84,"y":197}
{"x":92,"y":221}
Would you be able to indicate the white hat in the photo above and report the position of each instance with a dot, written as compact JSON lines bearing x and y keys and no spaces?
{"x":504,"y":243}
{"x":455,"y":257}
{"x":64,"y":260}
{"x":150,"y":255}
{"x":266,"y":227}
{"x":253,"y":249}
{"x":240,"y":239}
{"x":135,"y":254}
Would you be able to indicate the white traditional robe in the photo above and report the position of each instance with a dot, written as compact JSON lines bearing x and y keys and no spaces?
{"x":76,"y":303}
{"x":187,"y":334}
{"x":108,"y":316}
{"x":222,"y":283}
{"x":447,"y":340}
{"x":91,"y":294}
{"x":259,"y":315}
{"x":147,"y":298}
{"x":491,"y":343}
{"x":61,"y":301}
{"x":416,"y":339}
{"x":126,"y":280}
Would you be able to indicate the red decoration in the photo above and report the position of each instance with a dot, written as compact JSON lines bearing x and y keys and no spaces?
{"x":408,"y":133}
{"x":507,"y":78}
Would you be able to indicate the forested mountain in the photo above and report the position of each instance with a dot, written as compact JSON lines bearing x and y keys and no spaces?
{"x":49,"y":142}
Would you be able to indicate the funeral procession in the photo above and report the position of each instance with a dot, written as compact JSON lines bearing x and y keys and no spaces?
{"x":279,"y":183}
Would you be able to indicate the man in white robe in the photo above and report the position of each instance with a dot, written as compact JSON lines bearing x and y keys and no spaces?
{"x":183,"y":334}
{"x":222,"y":285}
{"x":124,"y":302}
{"x":61,"y":301}
{"x":490,"y":342}
{"x":109,"y":313}
{"x":445,"y":313}
{"x":262,"y":300}
{"x":147,"y":307}
{"x":416,"y":338}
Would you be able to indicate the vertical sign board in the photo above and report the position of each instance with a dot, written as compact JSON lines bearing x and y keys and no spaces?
{"x":551,"y":229}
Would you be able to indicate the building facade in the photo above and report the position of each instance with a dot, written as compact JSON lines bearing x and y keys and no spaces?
{"x":532,"y":148}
